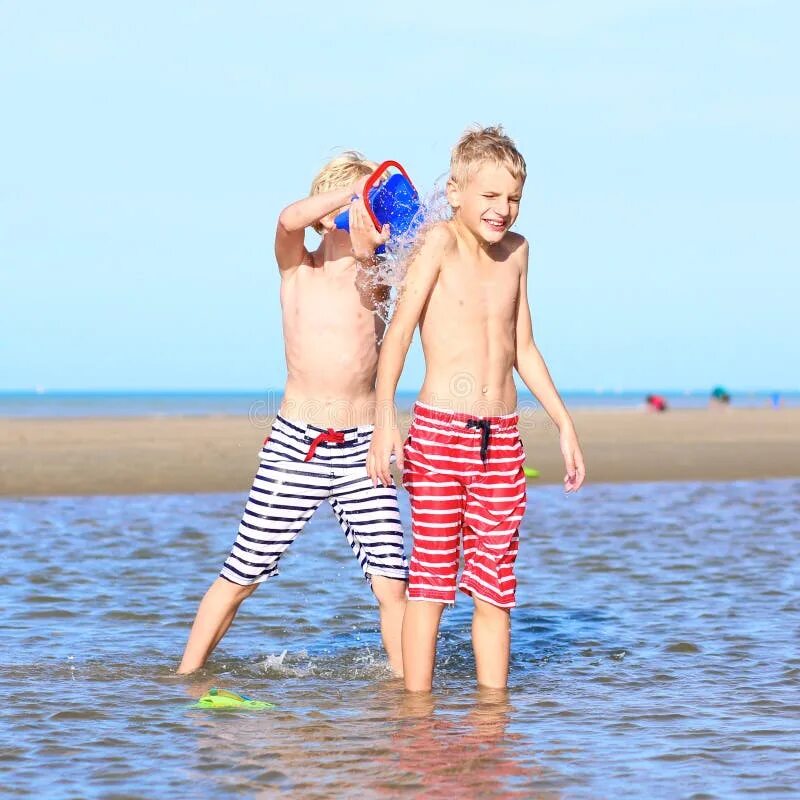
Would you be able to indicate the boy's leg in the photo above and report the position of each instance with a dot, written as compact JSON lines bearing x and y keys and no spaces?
{"x":370,"y":518}
{"x":284,"y":496}
{"x":494,"y":510}
{"x":391,"y":596}
{"x":437,"y":508}
{"x":489,"y":577}
{"x":420,"y":630}
{"x":214,"y":616}
{"x":491,"y":642}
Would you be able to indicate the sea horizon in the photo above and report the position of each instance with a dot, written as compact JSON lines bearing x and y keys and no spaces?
{"x":189,"y":402}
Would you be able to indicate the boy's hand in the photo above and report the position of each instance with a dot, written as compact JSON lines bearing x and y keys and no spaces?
{"x":363,"y":236}
{"x":385,"y":441}
{"x":573,"y":459}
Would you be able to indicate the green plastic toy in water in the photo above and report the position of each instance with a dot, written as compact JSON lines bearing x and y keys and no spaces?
{"x":530,"y":472}
{"x":222,"y":699}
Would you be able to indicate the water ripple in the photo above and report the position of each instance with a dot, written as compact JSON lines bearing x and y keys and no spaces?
{"x":653,"y":656}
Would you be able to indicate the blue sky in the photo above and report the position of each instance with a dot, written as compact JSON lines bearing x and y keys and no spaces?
{"x":147,"y":149}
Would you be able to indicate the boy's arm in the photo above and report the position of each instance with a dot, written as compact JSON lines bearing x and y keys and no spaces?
{"x":290,"y":249}
{"x":417,"y":286}
{"x":532,"y":369}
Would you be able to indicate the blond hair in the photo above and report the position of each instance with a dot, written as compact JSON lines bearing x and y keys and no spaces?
{"x":479,"y":145}
{"x":340,"y":172}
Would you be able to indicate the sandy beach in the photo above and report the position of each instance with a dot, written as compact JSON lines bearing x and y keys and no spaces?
{"x":169,"y":454}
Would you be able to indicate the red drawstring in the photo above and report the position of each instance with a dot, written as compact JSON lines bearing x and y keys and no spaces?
{"x":330,"y":435}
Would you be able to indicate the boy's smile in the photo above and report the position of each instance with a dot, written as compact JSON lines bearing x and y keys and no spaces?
{"x":496,"y":224}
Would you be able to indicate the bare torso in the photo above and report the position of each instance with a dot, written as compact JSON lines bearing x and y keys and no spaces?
{"x":468,"y":330}
{"x":331,"y":334}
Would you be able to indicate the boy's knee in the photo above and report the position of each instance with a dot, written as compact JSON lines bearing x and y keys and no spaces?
{"x":489,"y":611}
{"x":235,"y":592}
{"x":388,"y":591}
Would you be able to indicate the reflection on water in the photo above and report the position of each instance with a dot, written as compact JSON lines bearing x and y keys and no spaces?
{"x":385,"y":743}
{"x":654,"y":655}
{"x":468,"y":752}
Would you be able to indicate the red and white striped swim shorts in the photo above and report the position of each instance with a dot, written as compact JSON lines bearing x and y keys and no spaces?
{"x":464,"y":476}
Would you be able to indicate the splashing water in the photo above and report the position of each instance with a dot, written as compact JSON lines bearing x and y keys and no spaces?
{"x":273,"y":661}
{"x":392,"y":263}
{"x":433,"y":208}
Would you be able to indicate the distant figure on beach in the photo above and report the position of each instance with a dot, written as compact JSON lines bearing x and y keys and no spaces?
{"x":318,"y":444}
{"x":466,"y":287}
{"x":720,"y":397}
{"x":655,"y":402}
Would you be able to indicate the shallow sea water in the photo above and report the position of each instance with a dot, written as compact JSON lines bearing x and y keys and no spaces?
{"x":654,"y":655}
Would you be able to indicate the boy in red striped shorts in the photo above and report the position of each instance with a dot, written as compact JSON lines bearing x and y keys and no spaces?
{"x":466,"y":287}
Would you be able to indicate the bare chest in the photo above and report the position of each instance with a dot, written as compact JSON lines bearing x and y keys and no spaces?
{"x":329,"y":300}
{"x":487,"y":294}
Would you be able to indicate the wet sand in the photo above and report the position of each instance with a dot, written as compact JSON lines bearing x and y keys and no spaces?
{"x":219,"y":453}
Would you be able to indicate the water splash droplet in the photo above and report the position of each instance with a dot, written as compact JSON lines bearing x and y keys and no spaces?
{"x":390,"y":269}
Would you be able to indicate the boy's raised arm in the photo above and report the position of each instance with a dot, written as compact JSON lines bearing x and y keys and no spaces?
{"x":532,"y":369}
{"x":417,"y":286}
{"x":290,"y":249}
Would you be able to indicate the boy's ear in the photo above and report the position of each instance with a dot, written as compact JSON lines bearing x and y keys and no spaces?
{"x":453,"y":194}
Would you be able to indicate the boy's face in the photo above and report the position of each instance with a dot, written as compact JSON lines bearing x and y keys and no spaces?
{"x":489,"y":202}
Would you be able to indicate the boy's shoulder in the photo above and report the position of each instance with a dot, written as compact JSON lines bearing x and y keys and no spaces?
{"x":439,"y":236}
{"x":432,"y":245}
{"x":514,"y":243}
{"x":512,"y":249}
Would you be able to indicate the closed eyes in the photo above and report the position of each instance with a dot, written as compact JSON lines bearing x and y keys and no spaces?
{"x":491,"y":196}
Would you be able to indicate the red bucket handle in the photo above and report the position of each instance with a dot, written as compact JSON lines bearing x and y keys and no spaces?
{"x":373,"y":179}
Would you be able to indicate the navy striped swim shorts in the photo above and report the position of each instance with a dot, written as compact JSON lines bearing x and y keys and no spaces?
{"x":302,"y":465}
